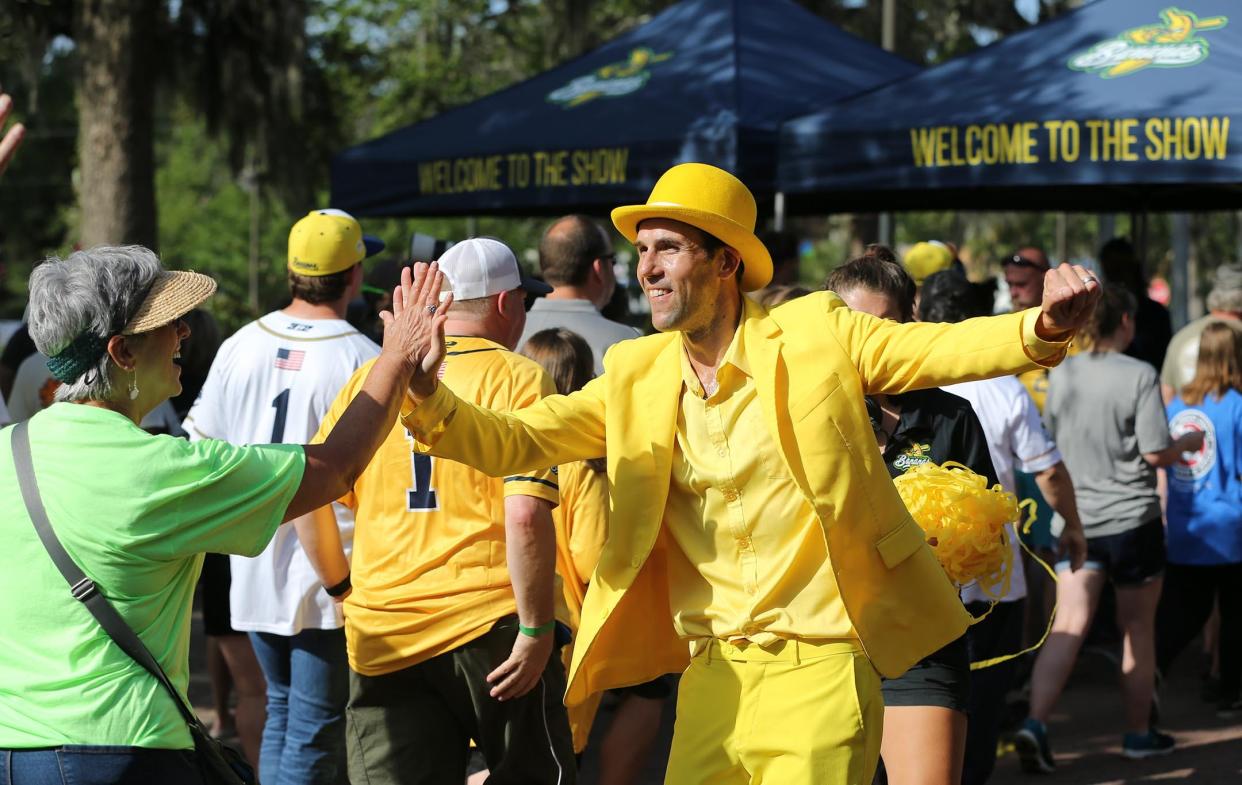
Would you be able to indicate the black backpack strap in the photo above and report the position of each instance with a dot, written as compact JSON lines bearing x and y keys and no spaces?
{"x":82,"y":587}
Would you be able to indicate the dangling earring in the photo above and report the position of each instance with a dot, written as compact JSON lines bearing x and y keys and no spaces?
{"x":133,"y":386}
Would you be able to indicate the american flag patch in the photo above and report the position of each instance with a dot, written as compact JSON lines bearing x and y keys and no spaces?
{"x":289,"y":359}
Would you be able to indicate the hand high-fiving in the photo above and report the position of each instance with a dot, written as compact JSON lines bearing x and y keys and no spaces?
{"x":415,"y":328}
{"x":1070,"y":294}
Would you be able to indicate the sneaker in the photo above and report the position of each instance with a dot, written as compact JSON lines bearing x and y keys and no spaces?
{"x":1031,"y":742}
{"x":1229,"y":709}
{"x":1146,"y":745}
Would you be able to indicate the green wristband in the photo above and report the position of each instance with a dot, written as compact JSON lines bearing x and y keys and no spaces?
{"x":535,"y":632}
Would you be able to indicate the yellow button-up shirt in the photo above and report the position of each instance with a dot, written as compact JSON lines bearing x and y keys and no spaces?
{"x":750,"y":561}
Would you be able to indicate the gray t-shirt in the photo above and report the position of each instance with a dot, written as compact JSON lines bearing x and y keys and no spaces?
{"x":1104,"y":411}
{"x":581,"y":317}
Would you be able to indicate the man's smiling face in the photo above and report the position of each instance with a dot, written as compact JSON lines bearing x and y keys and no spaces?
{"x":679,"y":277}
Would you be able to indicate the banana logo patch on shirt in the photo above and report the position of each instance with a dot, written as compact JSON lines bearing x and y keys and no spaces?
{"x":915,"y":455}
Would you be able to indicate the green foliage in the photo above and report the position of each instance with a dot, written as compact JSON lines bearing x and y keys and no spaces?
{"x":205,"y":223}
{"x":37,"y":199}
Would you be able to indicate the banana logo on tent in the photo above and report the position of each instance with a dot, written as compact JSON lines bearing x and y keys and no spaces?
{"x":614,"y":79}
{"x":1174,"y":44}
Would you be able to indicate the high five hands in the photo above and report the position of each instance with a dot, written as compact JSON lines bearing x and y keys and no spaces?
{"x":415,"y":327}
{"x":1070,"y":294}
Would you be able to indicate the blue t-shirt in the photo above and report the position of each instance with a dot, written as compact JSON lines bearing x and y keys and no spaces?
{"x":1205,"y":494}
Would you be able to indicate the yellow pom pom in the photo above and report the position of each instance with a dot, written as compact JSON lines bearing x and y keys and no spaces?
{"x":964,"y":521}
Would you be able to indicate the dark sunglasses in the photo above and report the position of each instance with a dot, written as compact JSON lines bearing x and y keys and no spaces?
{"x":1018,"y":260}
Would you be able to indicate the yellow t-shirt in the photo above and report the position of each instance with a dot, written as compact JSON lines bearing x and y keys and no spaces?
{"x":429,"y":572}
{"x":750,"y":560}
{"x":581,"y":528}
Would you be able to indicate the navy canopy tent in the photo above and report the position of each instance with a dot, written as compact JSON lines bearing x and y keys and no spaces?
{"x":1119,"y":105}
{"x":705,"y":80}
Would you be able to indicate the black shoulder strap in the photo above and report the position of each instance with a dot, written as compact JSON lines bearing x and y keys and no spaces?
{"x":83,"y":588}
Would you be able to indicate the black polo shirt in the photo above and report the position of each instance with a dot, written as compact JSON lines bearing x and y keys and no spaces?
{"x":935,"y":427}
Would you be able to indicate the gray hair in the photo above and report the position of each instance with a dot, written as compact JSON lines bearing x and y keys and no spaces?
{"x":1226,"y":294}
{"x":97,"y":290}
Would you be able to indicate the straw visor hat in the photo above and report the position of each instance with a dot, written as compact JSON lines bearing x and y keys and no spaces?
{"x":710,"y":199}
{"x":173,"y":295}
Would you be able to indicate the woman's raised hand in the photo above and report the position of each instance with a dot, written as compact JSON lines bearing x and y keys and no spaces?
{"x":415,"y":328}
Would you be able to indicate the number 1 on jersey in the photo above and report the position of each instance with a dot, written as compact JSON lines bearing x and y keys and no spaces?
{"x":281,"y":404}
{"x":421,"y":497}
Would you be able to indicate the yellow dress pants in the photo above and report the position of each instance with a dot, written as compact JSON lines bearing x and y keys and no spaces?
{"x":790,"y":714}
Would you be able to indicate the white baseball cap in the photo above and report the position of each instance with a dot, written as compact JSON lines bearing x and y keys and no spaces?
{"x":481,"y":266}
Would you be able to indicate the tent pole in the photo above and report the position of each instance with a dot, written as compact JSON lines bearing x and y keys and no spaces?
{"x":1180,"y":301}
{"x":778,"y":211}
{"x":888,"y":41}
{"x":471,"y":227}
{"x":1194,"y":308}
{"x":888,"y":25}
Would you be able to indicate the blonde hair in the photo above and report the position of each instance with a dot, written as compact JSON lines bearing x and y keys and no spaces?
{"x":1219,"y":367}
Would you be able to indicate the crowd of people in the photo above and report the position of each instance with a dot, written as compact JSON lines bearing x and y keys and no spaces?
{"x":513,"y":509}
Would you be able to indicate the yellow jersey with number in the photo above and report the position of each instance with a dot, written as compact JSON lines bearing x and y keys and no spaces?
{"x":429,"y":570}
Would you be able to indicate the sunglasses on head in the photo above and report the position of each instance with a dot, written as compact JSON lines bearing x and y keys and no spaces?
{"x":1017,"y":260}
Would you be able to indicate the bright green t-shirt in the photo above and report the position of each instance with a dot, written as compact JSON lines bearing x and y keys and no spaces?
{"x":136,"y":512}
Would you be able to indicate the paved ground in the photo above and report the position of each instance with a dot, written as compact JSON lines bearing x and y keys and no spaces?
{"x":1085,"y":733}
{"x":1086,"y":736}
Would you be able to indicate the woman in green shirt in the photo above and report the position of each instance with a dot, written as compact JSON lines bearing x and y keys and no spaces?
{"x":136,"y":512}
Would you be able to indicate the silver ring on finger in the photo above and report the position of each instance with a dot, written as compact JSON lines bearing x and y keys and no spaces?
{"x":432,"y":308}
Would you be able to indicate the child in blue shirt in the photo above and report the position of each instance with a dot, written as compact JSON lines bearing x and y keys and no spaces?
{"x":1204,"y":514}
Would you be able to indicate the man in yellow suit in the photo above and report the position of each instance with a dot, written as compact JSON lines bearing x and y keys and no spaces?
{"x":757,"y":541}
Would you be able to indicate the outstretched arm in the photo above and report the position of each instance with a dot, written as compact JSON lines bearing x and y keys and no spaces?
{"x":896,"y":358}
{"x":558,"y":429}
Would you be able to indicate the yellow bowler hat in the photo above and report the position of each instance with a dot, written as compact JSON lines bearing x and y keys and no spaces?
{"x":710,"y":199}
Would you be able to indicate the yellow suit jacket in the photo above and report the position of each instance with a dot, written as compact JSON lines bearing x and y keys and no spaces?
{"x":813,"y":360}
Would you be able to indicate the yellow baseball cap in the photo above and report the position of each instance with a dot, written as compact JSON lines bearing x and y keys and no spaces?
{"x":329,"y":241}
{"x":924,"y":259}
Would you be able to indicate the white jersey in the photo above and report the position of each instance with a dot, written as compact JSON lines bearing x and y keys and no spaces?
{"x":273,"y":381}
{"x":1016,"y":438}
